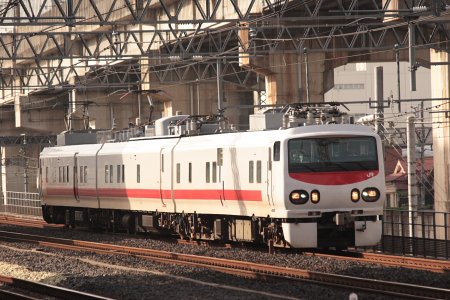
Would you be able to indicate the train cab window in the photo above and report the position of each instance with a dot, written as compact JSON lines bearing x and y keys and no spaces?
{"x":190,"y":172}
{"x":335,"y":154}
{"x":208,"y":172}
{"x":258,"y":171}
{"x":111,"y":173}
{"x":214,"y":172}
{"x":276,"y":151}
{"x":251,"y":171}
{"x":178,"y":173}
{"x":138,"y":170}
{"x":85,"y":174}
{"x":106,"y":173}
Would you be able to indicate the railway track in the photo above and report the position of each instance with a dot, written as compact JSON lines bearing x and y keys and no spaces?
{"x":30,"y":290}
{"x":251,"y":270}
{"x":437,"y":266}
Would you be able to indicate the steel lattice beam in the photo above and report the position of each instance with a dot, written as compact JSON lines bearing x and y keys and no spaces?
{"x":172,"y":30}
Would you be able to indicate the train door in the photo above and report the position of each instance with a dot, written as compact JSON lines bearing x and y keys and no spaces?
{"x":75,"y":177}
{"x":162,"y":165}
{"x":166,"y":177}
{"x":269,"y":178}
{"x":220,"y":179}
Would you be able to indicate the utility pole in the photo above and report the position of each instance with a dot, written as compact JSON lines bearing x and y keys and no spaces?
{"x":308,"y":92}
{"x":412,"y":181}
{"x":219,"y":87}
{"x":379,"y":110}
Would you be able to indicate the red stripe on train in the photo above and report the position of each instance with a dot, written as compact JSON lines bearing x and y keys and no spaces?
{"x":334,"y":178}
{"x":243,"y":195}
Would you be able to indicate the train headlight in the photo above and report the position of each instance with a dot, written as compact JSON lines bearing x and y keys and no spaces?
{"x":299,"y":197}
{"x":370,"y":194}
{"x":355,"y":195}
{"x":315,"y":196}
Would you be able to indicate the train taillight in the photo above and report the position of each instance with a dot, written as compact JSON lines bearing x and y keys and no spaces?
{"x":370,"y":194}
{"x":355,"y":195}
{"x":299,"y":197}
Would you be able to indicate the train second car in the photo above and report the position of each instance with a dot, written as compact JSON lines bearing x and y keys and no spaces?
{"x":314,"y":182}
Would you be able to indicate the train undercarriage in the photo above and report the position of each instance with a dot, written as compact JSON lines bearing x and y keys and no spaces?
{"x":192,"y":226}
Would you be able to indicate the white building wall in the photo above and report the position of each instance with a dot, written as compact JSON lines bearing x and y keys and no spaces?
{"x":358,"y":76}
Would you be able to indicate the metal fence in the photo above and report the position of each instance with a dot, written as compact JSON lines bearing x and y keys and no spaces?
{"x":418,"y":233}
{"x":22,"y":203}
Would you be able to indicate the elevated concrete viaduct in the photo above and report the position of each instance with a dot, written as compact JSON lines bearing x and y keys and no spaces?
{"x":88,"y":64}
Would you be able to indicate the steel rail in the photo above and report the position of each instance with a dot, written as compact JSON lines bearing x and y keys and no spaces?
{"x":247,"y":269}
{"x":437,"y":266}
{"x":47,"y":289}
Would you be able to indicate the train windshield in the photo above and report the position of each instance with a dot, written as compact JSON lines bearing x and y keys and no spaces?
{"x":336,"y":154}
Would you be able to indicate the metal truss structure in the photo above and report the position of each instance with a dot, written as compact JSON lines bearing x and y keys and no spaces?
{"x":20,"y":140}
{"x":184,"y":44}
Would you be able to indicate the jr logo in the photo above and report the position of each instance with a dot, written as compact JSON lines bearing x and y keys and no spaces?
{"x":370,"y":174}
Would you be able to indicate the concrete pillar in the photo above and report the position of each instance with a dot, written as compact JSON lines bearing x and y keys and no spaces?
{"x":283,"y":85}
{"x":440,"y":77}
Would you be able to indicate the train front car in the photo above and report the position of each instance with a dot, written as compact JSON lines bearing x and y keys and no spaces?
{"x":334,"y":187}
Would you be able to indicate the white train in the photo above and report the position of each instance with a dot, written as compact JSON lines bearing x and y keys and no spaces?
{"x":300,"y":186}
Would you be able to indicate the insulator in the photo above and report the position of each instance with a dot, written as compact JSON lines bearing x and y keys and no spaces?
{"x":418,"y":9}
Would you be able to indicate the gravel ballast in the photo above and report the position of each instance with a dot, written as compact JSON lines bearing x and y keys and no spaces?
{"x":123,"y":277}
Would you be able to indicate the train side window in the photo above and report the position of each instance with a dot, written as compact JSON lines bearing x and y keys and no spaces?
{"x":85,"y":174}
{"x":138,"y":179}
{"x":208,"y":172}
{"x":220,"y":157}
{"x":81,"y":174}
{"x":123,"y":173}
{"x":258,"y":171}
{"x":67,"y":169}
{"x":250,"y":171}
{"x":46,"y":174}
{"x":190,"y":172}
{"x":64,"y":174}
{"x":178,"y":173}
{"x":276,"y":151}
{"x":118,"y":173}
{"x":106,"y":173}
{"x":60,"y":174}
{"x":214,"y":172}
{"x":111,"y":173}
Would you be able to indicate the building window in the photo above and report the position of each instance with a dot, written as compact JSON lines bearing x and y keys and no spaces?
{"x":349,"y":86}
{"x":361,"y":67}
